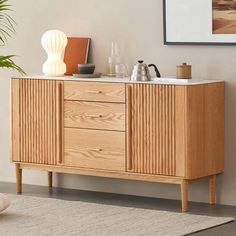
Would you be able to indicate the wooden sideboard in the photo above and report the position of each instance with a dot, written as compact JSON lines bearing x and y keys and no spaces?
{"x":168,"y":133}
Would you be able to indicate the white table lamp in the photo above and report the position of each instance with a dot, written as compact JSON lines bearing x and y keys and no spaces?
{"x":54,"y":43}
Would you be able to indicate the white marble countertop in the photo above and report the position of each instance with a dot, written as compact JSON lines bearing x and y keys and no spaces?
{"x":166,"y":80}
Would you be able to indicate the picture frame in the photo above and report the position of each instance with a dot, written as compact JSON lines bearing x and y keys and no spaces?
{"x":178,"y":15}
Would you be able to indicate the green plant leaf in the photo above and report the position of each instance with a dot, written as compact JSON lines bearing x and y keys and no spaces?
{"x":7,"y":62}
{"x":7,"y":24}
{"x":7,"y":28}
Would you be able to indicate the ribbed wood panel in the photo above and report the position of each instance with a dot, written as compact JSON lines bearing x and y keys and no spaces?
{"x":37,"y":121}
{"x":152,"y":133}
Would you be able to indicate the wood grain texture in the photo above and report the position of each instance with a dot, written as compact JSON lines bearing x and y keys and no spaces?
{"x":184,"y":195}
{"x":129,"y":136}
{"x":205,"y":130}
{"x":180,"y":111}
{"x":101,"y":92}
{"x":15,"y":120}
{"x":103,"y":173}
{"x":153,"y":129}
{"x":170,"y":134}
{"x":59,"y":122}
{"x":50,"y":179}
{"x":33,"y":120}
{"x":212,"y":190}
{"x":94,"y":115}
{"x":94,"y":149}
{"x":18,"y":178}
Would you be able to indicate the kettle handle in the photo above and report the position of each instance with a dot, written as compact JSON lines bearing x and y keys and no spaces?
{"x":156,"y":70}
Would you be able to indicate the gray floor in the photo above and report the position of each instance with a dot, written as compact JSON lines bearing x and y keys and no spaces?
{"x":133,"y":201}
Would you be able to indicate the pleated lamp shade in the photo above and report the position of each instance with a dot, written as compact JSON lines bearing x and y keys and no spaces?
{"x":54,"y":43}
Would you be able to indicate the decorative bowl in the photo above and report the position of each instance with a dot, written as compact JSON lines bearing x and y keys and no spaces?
{"x":86,"y":68}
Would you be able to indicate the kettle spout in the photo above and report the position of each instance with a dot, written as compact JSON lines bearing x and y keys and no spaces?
{"x":156,"y":70}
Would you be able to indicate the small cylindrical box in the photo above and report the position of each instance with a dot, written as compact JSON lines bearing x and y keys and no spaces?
{"x":184,"y":71}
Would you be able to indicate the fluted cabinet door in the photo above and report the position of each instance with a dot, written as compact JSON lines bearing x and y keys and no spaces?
{"x":36,"y":121}
{"x":155,"y":129}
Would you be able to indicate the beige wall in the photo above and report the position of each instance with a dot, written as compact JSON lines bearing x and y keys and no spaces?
{"x":137,"y":26}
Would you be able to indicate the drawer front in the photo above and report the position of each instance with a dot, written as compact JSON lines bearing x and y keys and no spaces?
{"x":94,"y":149}
{"x":94,"y":115}
{"x":90,"y":91}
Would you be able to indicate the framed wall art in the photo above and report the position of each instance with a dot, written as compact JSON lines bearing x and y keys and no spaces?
{"x":199,"y":22}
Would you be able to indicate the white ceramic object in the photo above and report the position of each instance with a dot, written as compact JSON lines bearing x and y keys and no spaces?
{"x":4,"y":202}
{"x":54,"y":43}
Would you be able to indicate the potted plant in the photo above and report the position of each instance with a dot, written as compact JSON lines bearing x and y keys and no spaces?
{"x":7,"y":29}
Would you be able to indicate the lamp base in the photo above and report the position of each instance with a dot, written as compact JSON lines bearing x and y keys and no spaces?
{"x":54,"y":68}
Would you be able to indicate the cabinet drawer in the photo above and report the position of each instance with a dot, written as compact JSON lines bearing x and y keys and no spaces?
{"x":90,"y":91}
{"x":94,"y":149}
{"x":94,"y":115}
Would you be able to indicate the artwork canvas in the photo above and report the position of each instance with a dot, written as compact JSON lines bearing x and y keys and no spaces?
{"x":76,"y":52}
{"x":199,"y":22}
{"x":224,"y":16}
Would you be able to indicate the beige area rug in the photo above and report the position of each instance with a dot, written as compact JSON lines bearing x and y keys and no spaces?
{"x":43,"y":216}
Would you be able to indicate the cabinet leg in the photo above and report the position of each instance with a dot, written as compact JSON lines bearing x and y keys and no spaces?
{"x":18,"y":179}
{"x":50,"y":179}
{"x":212,"y":189}
{"x":184,"y":195}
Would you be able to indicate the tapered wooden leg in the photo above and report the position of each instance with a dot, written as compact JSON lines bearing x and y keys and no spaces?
{"x":18,"y":179}
{"x":184,"y":195}
{"x":212,"y":189}
{"x":50,"y":179}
